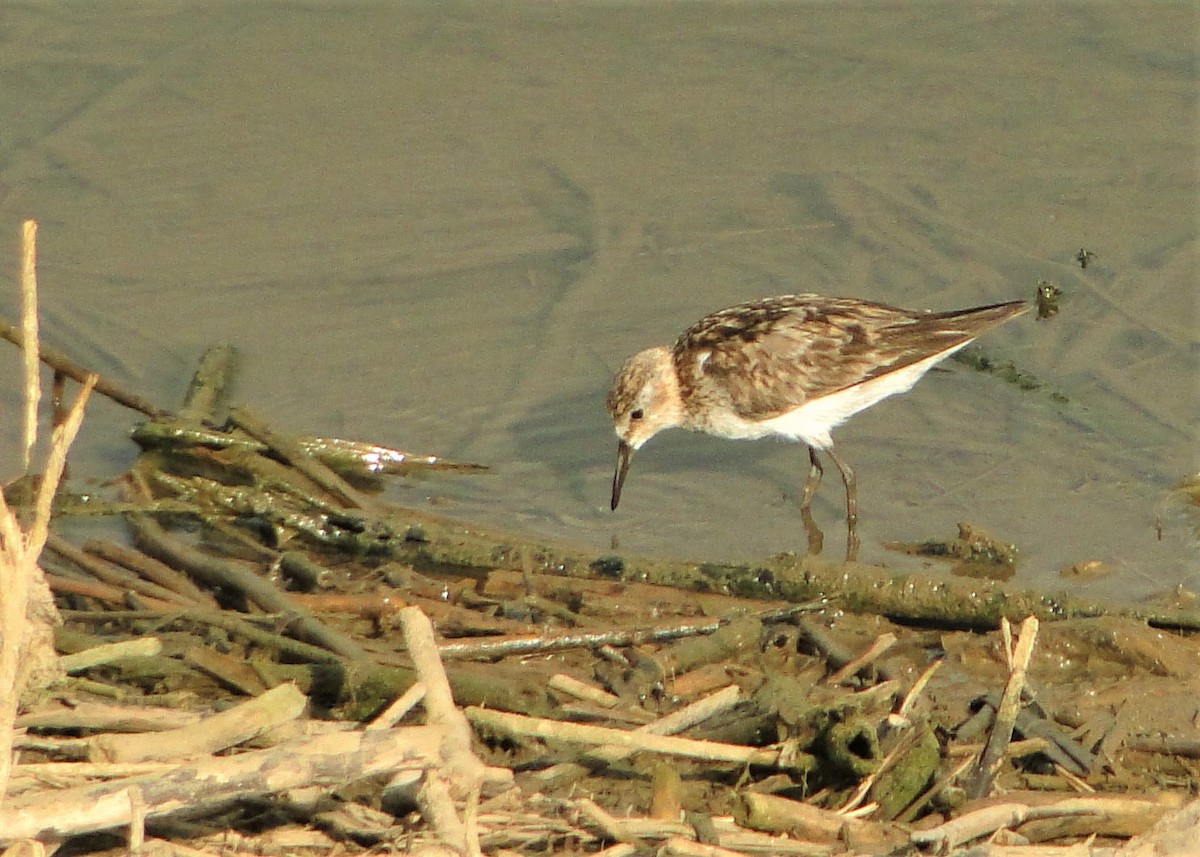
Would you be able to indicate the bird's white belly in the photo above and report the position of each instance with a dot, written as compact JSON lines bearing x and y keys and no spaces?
{"x":812,"y":421}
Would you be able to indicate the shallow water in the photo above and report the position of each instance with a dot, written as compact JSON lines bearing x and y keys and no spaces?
{"x":444,"y":228}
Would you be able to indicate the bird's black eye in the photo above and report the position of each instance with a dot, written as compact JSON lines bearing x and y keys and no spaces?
{"x":636,"y":414}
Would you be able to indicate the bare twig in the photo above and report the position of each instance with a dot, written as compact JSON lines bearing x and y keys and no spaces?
{"x":215,"y":782}
{"x":59,"y":362}
{"x":873,"y":652}
{"x":25,"y":644}
{"x":527,"y":644}
{"x":395,"y":712}
{"x":292,"y":452}
{"x":533,"y":727}
{"x":221,"y":730}
{"x":1006,"y":715}
{"x":685,"y":718}
{"x":141,"y":647}
{"x":232,"y":575}
{"x":29,"y":335}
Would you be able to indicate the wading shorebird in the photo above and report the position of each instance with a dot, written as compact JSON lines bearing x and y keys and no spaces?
{"x":795,"y":366}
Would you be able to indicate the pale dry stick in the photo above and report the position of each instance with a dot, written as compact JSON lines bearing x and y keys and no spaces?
{"x":526,"y":644}
{"x":437,"y":808}
{"x":936,"y":789}
{"x":685,"y":718}
{"x":712,"y":751}
{"x":678,"y":846}
{"x":731,"y":835}
{"x":1171,"y":834}
{"x":582,"y":690}
{"x":218,"y":732}
{"x":19,"y":571}
{"x":629,"y":829}
{"x":917,"y":689}
{"x":972,"y":825}
{"x":106,"y":717}
{"x":876,"y":649}
{"x":1118,"y":810}
{"x":29,"y":332}
{"x":61,"y":439}
{"x":817,"y":827}
{"x":1074,"y":780}
{"x":1006,"y":642}
{"x":141,"y":647}
{"x":1006,"y":714}
{"x":621,"y":849}
{"x":395,"y":712}
{"x":60,"y":772}
{"x":460,"y":773}
{"x":471,"y":823}
{"x":218,"y":781}
{"x":422,"y":647}
{"x":137,"y":821}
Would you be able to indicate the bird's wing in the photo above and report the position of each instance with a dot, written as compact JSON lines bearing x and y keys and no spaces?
{"x":764,"y":358}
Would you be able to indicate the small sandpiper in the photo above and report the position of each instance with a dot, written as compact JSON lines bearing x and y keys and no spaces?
{"x":795,"y":366}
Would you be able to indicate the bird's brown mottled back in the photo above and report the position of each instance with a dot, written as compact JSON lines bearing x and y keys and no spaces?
{"x":763,"y":358}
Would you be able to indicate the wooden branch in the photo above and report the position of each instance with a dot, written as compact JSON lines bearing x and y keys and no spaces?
{"x":775,"y":814}
{"x":59,"y":362}
{"x":461,"y":773}
{"x":216,"y":782}
{"x":210,"y":385}
{"x":554,"y":730}
{"x":141,"y":647}
{"x":156,"y":541}
{"x":106,"y":717}
{"x":533,"y":643}
{"x":152,"y":570}
{"x":221,"y":730}
{"x":1006,"y":715}
{"x":294,"y":454}
{"x":1136,"y":813}
{"x":113,"y":575}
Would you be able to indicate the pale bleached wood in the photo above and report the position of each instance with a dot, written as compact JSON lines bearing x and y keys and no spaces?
{"x":215,"y":782}
{"x":221,"y":730}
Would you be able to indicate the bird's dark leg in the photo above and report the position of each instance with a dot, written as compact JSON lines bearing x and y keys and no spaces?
{"x":851,"y":505}
{"x":816,"y":539}
{"x":814,"y":478}
{"x":850,"y":483}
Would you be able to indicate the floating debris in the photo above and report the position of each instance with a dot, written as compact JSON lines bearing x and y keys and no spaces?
{"x":976,"y":553}
{"x":1047,"y":298}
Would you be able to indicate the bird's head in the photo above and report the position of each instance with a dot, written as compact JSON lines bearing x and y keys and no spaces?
{"x":643,"y":401}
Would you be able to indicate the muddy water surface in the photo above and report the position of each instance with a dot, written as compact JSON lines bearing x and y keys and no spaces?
{"x":444,"y":229}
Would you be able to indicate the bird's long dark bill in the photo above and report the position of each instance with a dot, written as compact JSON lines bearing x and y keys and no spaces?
{"x":624,"y":456}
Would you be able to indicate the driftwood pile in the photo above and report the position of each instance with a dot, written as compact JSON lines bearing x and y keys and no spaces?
{"x":277,"y":662}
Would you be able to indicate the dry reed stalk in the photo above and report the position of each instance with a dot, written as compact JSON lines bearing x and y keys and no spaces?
{"x":26,"y":642}
{"x":1018,"y":658}
{"x":29,"y":331}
